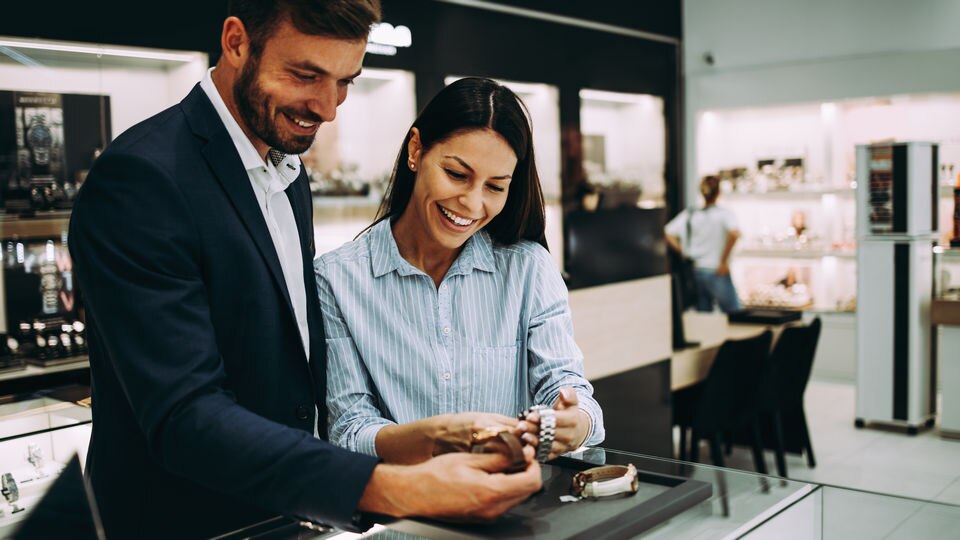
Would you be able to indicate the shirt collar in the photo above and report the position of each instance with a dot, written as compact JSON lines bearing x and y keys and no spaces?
{"x":385,"y":255}
{"x":284,"y":174}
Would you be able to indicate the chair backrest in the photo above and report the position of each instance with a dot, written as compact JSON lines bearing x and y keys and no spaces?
{"x":790,"y":365}
{"x":731,"y":389}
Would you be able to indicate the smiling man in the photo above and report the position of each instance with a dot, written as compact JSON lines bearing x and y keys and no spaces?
{"x":193,"y":240}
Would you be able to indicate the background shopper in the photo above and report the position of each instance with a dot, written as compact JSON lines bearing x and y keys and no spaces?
{"x":707,"y":235}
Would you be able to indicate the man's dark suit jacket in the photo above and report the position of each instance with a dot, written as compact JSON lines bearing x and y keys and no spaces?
{"x":204,"y":402}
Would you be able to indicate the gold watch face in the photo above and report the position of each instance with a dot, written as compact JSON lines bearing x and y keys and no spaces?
{"x":501,"y":441}
{"x":486,"y":434}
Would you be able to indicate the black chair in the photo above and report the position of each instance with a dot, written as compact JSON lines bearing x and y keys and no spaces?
{"x":727,"y":401}
{"x":786,"y":380}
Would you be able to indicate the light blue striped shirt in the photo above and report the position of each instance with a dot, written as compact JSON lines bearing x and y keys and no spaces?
{"x":496,"y":336}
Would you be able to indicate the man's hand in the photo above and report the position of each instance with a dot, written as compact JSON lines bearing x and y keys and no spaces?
{"x":573,"y":425}
{"x":456,"y":486}
{"x":723,"y":269}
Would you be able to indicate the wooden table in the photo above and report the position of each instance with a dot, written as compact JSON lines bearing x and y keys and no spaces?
{"x":690,"y":366}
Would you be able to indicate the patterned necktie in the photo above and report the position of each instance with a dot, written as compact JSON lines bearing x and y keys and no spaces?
{"x":276,"y":157}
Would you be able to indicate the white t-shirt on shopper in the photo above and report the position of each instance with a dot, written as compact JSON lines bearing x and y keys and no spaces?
{"x":708,"y":233}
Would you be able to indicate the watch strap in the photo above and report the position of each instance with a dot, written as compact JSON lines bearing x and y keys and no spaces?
{"x":605,"y":481}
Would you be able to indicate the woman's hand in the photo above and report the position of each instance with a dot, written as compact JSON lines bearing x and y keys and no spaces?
{"x":573,"y":425}
{"x":454,"y":432}
{"x":418,"y":441}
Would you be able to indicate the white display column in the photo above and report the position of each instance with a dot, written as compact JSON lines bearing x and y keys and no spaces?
{"x":896,"y":193}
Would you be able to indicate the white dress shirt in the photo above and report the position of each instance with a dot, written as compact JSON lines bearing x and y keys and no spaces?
{"x":269,"y":183}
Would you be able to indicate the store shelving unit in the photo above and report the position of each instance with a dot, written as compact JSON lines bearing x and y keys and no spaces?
{"x":789,"y":177}
{"x":85,"y":93}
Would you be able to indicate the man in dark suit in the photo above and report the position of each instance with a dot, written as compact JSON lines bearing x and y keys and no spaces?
{"x":193,"y":242}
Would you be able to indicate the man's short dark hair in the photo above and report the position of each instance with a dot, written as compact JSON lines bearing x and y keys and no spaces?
{"x":341,"y":19}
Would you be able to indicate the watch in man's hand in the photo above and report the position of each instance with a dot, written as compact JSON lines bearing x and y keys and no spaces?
{"x":491,"y":440}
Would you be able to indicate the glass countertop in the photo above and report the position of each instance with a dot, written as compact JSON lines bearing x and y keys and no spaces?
{"x":743,"y":505}
{"x":39,"y":415}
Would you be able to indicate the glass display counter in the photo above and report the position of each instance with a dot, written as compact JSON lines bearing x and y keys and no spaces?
{"x":38,"y":435}
{"x":742,"y":505}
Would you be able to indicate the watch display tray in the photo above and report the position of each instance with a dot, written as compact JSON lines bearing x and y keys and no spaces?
{"x":764,"y":316}
{"x":543,"y":515}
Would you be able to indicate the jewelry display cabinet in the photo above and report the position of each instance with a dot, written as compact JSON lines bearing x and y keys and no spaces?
{"x":61,"y":103}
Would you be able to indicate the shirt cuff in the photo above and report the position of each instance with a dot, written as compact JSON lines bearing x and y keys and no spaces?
{"x":366,"y":439}
{"x":592,"y":408}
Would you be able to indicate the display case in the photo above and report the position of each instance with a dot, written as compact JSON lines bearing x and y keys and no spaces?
{"x":352,"y":157}
{"x":61,"y":103}
{"x":543,"y":104}
{"x":946,"y":274}
{"x":788,"y":173}
{"x":624,"y":147}
{"x":38,"y":435}
{"x":945,"y":316}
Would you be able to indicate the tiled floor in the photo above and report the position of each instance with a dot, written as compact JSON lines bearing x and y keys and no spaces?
{"x":922,"y":466}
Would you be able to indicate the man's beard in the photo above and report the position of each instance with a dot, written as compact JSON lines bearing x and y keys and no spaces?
{"x":254,"y":106}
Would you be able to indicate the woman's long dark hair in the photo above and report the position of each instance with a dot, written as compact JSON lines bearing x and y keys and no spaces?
{"x":466,"y":105}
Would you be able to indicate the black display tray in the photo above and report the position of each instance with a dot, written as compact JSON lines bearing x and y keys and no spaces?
{"x":543,"y":515}
{"x":764,"y":316}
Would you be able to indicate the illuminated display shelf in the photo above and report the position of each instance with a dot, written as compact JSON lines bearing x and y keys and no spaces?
{"x":822,"y":136}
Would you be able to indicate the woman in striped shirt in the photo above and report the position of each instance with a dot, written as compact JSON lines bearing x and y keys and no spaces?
{"x":450,"y":302}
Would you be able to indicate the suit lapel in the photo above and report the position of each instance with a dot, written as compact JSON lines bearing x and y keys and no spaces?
{"x":222,"y":156}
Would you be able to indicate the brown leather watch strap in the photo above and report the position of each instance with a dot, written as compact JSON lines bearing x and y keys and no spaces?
{"x":504,"y":442}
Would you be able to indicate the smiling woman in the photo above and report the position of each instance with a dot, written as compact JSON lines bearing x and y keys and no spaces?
{"x":450,"y":303}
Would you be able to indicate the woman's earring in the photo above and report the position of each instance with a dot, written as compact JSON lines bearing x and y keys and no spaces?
{"x":412,"y":164}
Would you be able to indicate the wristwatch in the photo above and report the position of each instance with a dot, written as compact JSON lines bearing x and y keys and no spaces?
{"x":606,"y":481}
{"x":548,"y":429}
{"x":39,"y":139}
{"x":490,"y":440}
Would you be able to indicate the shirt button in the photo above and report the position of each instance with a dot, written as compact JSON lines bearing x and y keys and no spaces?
{"x":446,"y":376}
{"x":446,"y":329}
{"x":443,"y":286}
